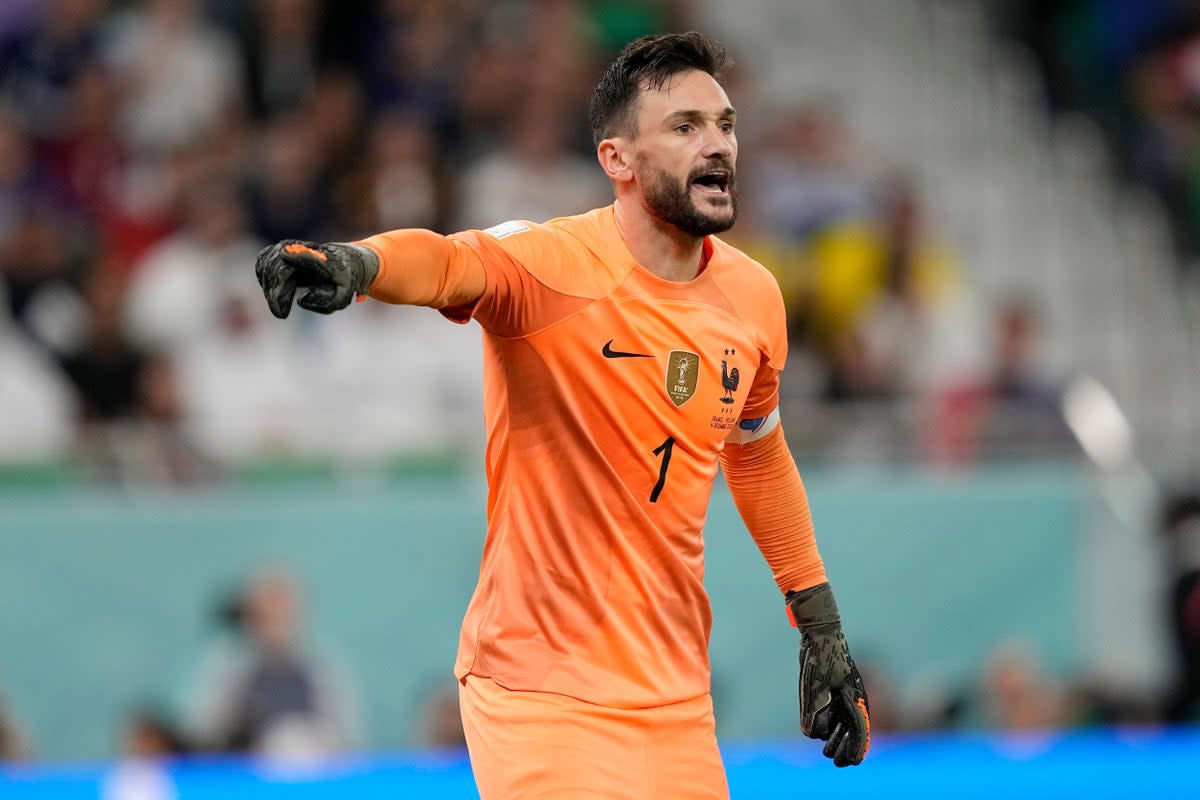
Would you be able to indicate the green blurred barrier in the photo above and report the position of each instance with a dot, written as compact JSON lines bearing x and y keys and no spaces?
{"x":108,"y":597}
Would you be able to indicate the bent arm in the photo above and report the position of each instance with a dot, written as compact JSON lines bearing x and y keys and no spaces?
{"x":423,"y":268}
{"x":766,"y":487}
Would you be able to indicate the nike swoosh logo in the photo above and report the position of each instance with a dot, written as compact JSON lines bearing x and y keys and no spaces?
{"x":610,"y":353}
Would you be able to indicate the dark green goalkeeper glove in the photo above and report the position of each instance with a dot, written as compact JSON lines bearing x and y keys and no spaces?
{"x":333,"y":274}
{"x":833,"y":699}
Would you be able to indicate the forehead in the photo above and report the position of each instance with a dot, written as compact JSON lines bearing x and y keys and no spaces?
{"x":694,"y":90}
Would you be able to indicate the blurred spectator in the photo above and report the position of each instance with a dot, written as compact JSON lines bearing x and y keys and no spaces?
{"x":25,"y":183}
{"x":413,"y":54}
{"x":181,"y":74}
{"x":541,"y":53}
{"x":1131,"y":64}
{"x":534,"y":175}
{"x":86,"y":157}
{"x":14,"y":746}
{"x":1181,"y":522}
{"x":936,"y":707}
{"x":149,"y":735}
{"x":266,"y":692}
{"x":289,"y":198}
{"x":42,"y":59}
{"x":903,"y":324}
{"x":1013,"y":403}
{"x":1018,"y":373}
{"x":886,"y":714}
{"x":1016,"y":695}
{"x":246,"y":399}
{"x":155,"y":447}
{"x":337,"y":110}
{"x":492,"y":68}
{"x":130,"y":426}
{"x":35,"y":268}
{"x":140,"y":774}
{"x":436,"y":370}
{"x":560,"y":68}
{"x":811,"y":173}
{"x":397,"y":184}
{"x":145,"y":206}
{"x":1163,"y":142}
{"x":441,"y":720}
{"x":17,"y":16}
{"x":280,"y":52}
{"x":881,"y":292}
{"x":1094,"y":702}
{"x":177,"y":289}
{"x":150,"y":447}
{"x":39,"y":411}
{"x":36,"y":409}
{"x":105,"y":367}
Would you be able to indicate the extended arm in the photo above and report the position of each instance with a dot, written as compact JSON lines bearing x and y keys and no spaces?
{"x":412,"y":266}
{"x":423,"y":268}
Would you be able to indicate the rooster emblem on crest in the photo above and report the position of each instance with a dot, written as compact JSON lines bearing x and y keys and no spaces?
{"x":729,"y":378}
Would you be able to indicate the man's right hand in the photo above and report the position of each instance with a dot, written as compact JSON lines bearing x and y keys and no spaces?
{"x":333,"y":274}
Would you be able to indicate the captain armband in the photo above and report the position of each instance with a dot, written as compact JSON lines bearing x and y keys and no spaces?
{"x":749,"y":430}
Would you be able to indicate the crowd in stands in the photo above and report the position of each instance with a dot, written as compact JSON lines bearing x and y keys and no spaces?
{"x":149,"y":149}
{"x":1134,"y":66}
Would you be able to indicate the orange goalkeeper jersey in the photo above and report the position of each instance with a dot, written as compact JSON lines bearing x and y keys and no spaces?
{"x":609,"y":393}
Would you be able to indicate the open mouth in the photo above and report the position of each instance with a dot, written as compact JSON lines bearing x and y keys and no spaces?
{"x":715,"y":182}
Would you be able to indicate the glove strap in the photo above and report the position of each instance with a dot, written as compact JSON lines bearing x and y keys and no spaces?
{"x":368,"y":263}
{"x":812,"y":606}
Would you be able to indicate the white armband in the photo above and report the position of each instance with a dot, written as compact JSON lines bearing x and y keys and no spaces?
{"x":748,"y":430}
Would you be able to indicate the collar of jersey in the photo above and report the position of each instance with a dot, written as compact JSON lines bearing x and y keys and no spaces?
{"x":608,"y":221}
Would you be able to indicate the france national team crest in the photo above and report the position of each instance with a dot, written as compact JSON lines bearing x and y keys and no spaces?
{"x":683,"y":370}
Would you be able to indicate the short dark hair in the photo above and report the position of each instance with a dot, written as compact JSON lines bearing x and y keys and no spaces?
{"x":648,"y":63}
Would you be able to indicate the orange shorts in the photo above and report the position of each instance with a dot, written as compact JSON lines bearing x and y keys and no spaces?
{"x":526,"y":745}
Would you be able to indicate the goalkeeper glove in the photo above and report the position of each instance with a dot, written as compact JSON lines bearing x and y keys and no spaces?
{"x":833,"y":699}
{"x":334,"y":274}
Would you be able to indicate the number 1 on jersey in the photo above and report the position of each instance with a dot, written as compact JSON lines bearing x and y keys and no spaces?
{"x":665,"y":448}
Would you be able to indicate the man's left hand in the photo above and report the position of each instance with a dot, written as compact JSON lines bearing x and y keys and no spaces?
{"x":833,"y":698}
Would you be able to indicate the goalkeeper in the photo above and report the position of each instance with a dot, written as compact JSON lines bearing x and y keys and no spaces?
{"x":629,"y":353}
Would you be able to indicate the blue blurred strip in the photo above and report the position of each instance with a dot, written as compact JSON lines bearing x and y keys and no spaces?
{"x":1133,"y":763}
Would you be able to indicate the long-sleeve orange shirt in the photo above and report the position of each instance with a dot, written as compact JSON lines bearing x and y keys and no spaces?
{"x":610,"y":396}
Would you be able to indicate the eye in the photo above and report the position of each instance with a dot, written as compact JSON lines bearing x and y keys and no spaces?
{"x":727,"y":127}
{"x":684,"y":128}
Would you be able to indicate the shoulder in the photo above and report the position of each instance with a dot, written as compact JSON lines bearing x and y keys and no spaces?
{"x":749,"y":286}
{"x":754,"y":295}
{"x":570,"y":255}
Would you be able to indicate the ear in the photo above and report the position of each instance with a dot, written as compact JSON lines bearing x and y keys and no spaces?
{"x":616,"y":159}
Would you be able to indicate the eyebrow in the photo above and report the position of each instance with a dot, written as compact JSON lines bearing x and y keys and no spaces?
{"x":695,"y":114}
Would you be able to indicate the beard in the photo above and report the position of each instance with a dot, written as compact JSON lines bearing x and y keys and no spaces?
{"x":671,"y":201}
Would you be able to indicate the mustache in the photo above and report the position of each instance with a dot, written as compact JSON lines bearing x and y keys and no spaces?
{"x":713,"y":164}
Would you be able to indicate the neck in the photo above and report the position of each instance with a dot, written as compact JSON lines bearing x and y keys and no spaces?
{"x":661,"y":248}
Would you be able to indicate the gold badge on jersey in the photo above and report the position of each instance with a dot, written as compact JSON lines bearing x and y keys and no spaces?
{"x":683,"y":369}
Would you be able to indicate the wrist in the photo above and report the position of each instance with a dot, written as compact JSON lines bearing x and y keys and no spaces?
{"x":813,"y":607}
{"x":365,"y":265}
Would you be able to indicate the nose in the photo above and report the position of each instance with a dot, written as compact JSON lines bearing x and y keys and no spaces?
{"x":717,"y":144}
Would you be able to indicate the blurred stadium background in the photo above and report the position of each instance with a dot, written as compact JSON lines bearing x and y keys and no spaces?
{"x":985,"y":217}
